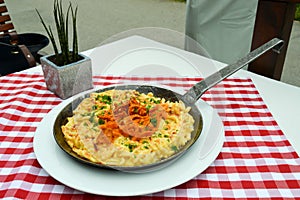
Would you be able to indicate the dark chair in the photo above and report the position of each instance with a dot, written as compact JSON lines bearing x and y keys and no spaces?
{"x":274,"y":18}
{"x":17,"y":51}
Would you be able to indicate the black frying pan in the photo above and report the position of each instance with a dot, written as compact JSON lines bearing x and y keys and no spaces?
{"x":189,"y":98}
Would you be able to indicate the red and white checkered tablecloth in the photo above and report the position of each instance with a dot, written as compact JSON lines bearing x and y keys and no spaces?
{"x":256,"y":161}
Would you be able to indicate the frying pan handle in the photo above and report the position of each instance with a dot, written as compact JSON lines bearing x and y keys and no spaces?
{"x":193,"y":94}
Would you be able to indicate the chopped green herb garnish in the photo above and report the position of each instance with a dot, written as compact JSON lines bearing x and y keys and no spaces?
{"x":174,"y":148}
{"x":153,"y":121}
{"x":94,"y":107}
{"x":103,"y":107}
{"x":92,"y":118}
{"x":104,"y":99}
{"x":131,"y":147}
{"x":85,"y":114}
{"x":157,"y":101}
{"x":148,"y":107}
{"x":95,"y":129}
{"x":101,"y":121}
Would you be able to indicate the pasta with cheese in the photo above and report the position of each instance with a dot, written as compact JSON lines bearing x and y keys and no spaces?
{"x":127,"y":128}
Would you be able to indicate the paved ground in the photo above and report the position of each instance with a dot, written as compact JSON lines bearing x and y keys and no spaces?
{"x":100,"y":19}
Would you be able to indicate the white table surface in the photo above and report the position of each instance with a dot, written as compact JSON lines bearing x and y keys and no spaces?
{"x":283,"y":100}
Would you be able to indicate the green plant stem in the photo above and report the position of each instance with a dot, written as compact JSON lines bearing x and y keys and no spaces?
{"x":75,"y":43}
{"x":49,"y":33}
{"x":65,"y":56}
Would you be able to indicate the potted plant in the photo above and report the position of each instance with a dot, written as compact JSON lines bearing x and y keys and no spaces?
{"x":66,"y":72}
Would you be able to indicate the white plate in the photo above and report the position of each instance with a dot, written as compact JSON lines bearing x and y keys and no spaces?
{"x":138,"y":62}
{"x":94,"y":180}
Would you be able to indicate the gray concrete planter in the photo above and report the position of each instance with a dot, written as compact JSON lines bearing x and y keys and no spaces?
{"x":68,"y":80}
